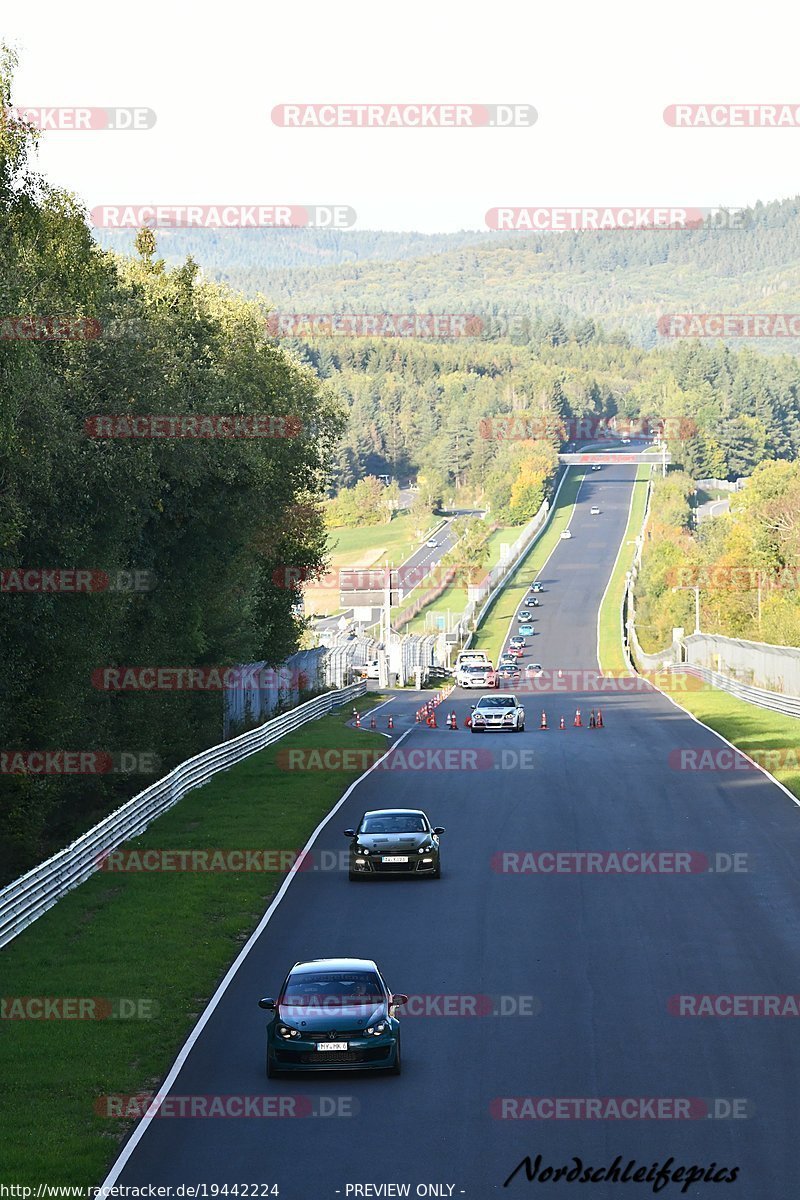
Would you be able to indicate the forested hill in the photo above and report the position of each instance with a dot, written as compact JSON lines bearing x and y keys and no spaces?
{"x":624,"y":280}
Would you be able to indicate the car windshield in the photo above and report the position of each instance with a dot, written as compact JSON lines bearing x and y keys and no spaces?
{"x":332,"y":988}
{"x":475,"y":670}
{"x":394,"y":823}
{"x":496,"y":702}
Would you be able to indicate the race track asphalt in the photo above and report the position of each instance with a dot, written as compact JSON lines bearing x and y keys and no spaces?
{"x":561,"y":979}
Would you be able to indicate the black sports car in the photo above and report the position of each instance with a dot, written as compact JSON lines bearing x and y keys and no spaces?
{"x":394,"y":841}
{"x":333,"y":1014}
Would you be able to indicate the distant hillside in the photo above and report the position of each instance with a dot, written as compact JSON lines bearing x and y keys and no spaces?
{"x":250,"y":255}
{"x":623,"y":280}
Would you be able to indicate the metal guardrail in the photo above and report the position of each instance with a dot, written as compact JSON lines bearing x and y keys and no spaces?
{"x":788,"y":705}
{"x":28,"y":897}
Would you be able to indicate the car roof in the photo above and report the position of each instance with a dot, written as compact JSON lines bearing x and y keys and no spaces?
{"x":394,"y":812}
{"x":500,"y":696}
{"x":334,"y":964}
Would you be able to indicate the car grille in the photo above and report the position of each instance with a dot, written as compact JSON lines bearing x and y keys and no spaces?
{"x":321,"y":1058}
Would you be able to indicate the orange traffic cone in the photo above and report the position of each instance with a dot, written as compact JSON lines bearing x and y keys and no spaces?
{"x":543,"y":724}
{"x":373,"y":724}
{"x":453,"y":721}
{"x":577,"y":722}
{"x":561,"y":724}
{"x":599,"y":719}
{"x":358,"y":720}
{"x":432,"y":721}
{"x":418,"y":717}
{"x":391,"y":723}
{"x":468,"y":722}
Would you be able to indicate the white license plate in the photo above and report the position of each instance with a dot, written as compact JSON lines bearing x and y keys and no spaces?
{"x":331,"y":1045}
{"x":395,"y":858}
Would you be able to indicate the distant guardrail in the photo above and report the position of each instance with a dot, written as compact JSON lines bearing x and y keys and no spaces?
{"x":789,"y":706}
{"x":30,"y":896}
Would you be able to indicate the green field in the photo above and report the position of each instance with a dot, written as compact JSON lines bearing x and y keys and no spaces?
{"x":609,"y":643}
{"x":162,"y":940}
{"x":493,"y":629}
{"x":396,"y":538}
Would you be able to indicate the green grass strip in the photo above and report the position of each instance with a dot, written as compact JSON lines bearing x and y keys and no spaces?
{"x":768,"y":737}
{"x":491,"y":633}
{"x":610,"y":646}
{"x":165,"y":938}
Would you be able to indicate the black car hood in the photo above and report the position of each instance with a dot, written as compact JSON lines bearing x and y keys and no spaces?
{"x":391,"y":843}
{"x":331,"y":1016}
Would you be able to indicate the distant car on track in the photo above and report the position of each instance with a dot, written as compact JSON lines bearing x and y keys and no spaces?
{"x":565,"y":533}
{"x":534,"y":670}
{"x":432,"y":542}
{"x":498,"y":712}
{"x":597,"y":467}
{"x":527,"y":630}
{"x":333,"y":1014}
{"x":594,"y":511}
{"x":536,"y":586}
{"x":524,"y":615}
{"x":394,"y":841}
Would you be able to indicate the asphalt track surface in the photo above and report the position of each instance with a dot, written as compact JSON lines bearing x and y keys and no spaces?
{"x":591,"y":959}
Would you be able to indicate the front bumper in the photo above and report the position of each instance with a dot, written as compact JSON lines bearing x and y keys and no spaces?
{"x":362,"y":1054}
{"x":418,"y":864}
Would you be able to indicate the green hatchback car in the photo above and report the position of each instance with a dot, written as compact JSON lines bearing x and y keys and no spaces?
{"x":333,"y":1014}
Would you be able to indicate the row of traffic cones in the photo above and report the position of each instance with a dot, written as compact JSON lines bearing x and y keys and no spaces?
{"x":373,"y":724}
{"x":595,"y":720}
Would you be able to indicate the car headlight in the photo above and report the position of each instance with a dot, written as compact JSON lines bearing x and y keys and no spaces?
{"x":509,"y":717}
{"x":362,"y":850}
{"x":377,"y":1030}
{"x":285,"y":1032}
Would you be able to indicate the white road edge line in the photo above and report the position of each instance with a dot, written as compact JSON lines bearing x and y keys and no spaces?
{"x":144,"y":1123}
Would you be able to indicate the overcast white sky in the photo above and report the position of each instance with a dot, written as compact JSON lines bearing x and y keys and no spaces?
{"x":599,"y":75}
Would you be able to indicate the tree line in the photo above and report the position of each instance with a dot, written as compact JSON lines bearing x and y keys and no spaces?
{"x":181,"y":538}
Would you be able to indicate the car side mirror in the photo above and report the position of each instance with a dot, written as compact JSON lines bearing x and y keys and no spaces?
{"x":350,"y":833}
{"x":439,"y":829}
{"x":267,"y":1002}
{"x":399,"y":999}
{"x":473,"y":707}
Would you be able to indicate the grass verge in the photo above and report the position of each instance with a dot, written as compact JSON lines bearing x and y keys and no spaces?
{"x":609,"y":639}
{"x":491,"y":633}
{"x":165,"y":938}
{"x":769,"y":738}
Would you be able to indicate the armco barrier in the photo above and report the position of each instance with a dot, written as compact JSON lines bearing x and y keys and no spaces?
{"x":789,"y":706}
{"x":28,"y":897}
